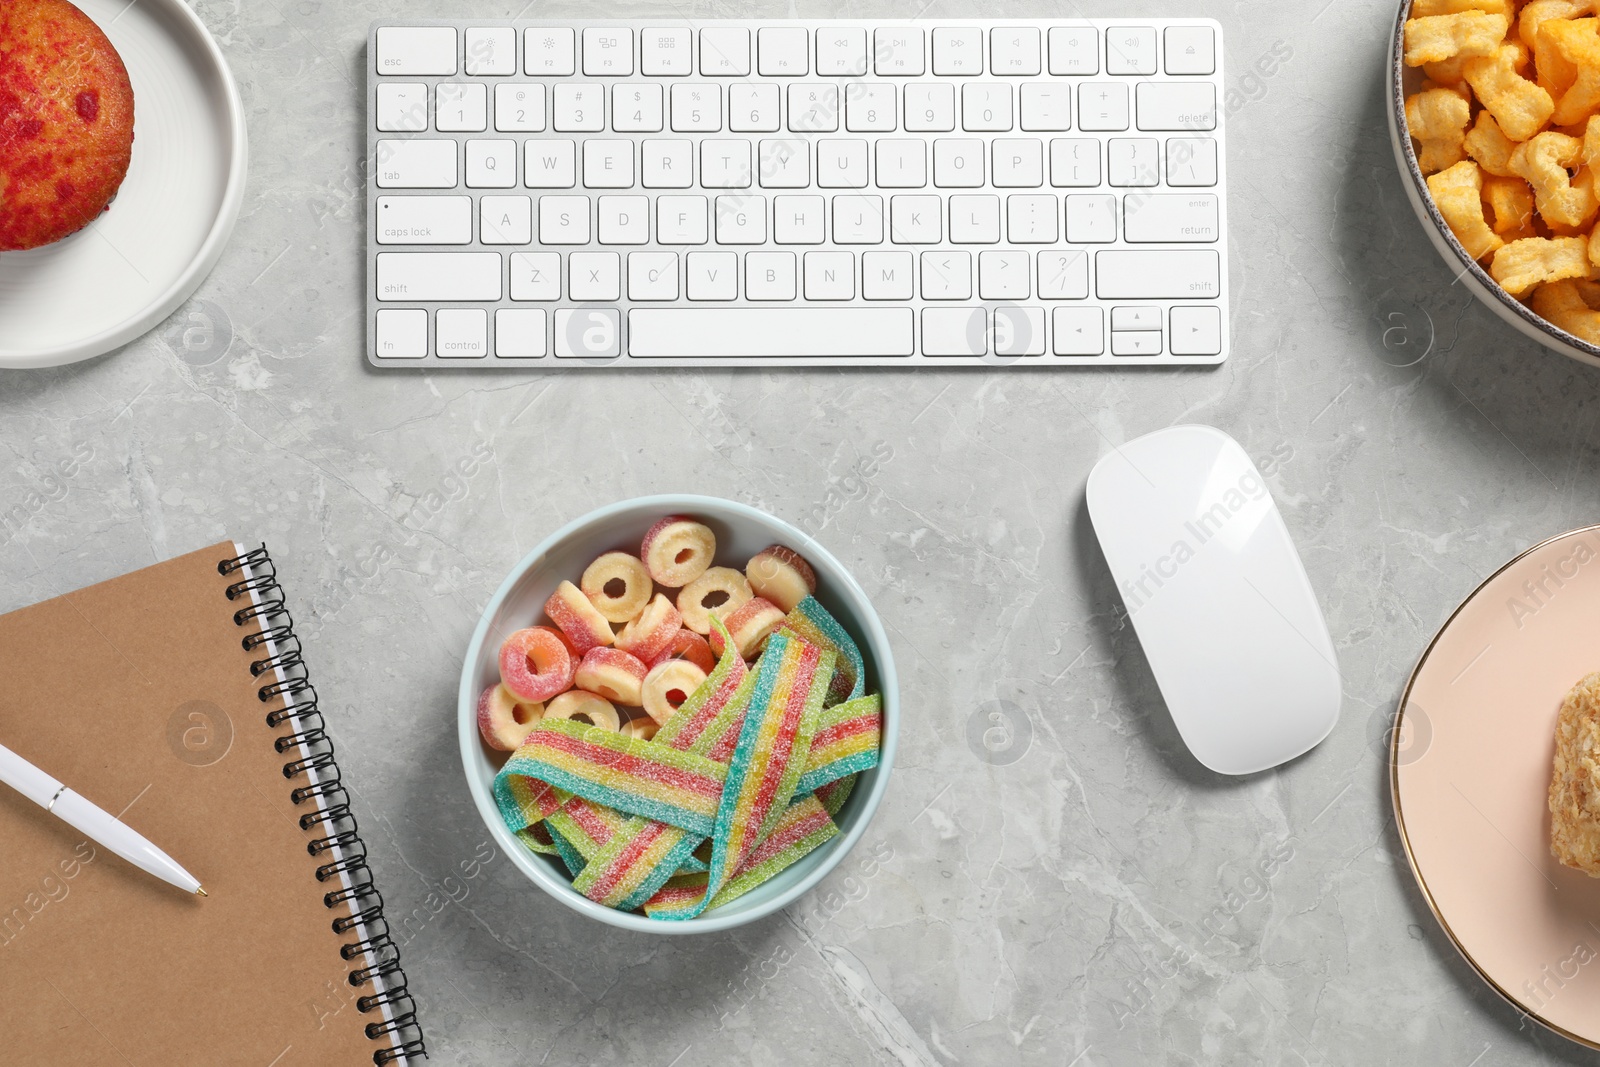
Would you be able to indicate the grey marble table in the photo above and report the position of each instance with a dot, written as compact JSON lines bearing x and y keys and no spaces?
{"x":1070,"y":888}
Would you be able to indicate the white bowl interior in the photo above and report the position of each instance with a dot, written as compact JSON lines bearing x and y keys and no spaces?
{"x":741,"y":533}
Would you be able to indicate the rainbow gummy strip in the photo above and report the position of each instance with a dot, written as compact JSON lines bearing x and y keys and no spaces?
{"x":811,"y":622}
{"x":846,"y":742}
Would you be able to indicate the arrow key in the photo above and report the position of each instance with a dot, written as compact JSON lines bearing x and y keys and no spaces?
{"x":1079,"y":331}
{"x":1136,"y":343}
{"x":1196,"y":331}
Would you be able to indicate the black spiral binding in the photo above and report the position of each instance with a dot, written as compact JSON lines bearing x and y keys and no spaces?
{"x":272,"y":633}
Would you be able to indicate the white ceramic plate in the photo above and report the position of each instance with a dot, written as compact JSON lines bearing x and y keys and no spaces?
{"x":128,"y":270}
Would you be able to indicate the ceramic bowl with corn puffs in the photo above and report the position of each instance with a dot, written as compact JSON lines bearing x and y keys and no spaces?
{"x":1495,"y":118}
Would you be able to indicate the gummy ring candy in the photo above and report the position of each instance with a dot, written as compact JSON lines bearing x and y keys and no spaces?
{"x":613,"y":673}
{"x":719,"y":591}
{"x":578,"y":618}
{"x":579,"y":704}
{"x":618,"y":585}
{"x":644,"y":728}
{"x":668,"y":685}
{"x":504,"y":720}
{"x":652,"y":630}
{"x":677,"y":550}
{"x":688,"y":645}
{"x":750,"y":626}
{"x":535,"y":664}
{"x":781,"y":575}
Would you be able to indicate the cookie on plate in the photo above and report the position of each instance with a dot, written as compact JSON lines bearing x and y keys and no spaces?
{"x":66,"y":122}
{"x":1575,"y":781}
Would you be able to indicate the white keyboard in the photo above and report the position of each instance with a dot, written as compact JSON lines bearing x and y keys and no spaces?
{"x":669,"y":193}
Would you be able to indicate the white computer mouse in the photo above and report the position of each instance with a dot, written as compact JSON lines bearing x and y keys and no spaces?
{"x":1218,"y":597}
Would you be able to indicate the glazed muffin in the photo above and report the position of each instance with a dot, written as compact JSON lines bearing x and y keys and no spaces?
{"x":66,"y":122}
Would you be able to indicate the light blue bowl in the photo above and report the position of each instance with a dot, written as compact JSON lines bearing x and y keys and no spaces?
{"x":741,"y":532}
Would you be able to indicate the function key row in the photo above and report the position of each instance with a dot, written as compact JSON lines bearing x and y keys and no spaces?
{"x":794,"y":51}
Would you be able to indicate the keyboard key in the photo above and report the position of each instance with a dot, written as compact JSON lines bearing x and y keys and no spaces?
{"x":1191,"y":50}
{"x":491,"y":164}
{"x":668,"y":333}
{"x":652,"y":275}
{"x":798,"y":220}
{"x":974,"y":219}
{"x":783,"y":52}
{"x":785,"y":164}
{"x":1171,"y":218}
{"x":954,"y":332}
{"x":535,"y":276}
{"x":461,"y":107}
{"x":957,"y":163}
{"x":1078,"y":331}
{"x":594,"y":276}
{"x":769,"y":276}
{"x":1074,"y":50}
{"x":725,"y":164}
{"x":491,"y":50}
{"x":665,"y":52}
{"x":1191,"y":161}
{"x":1074,"y":162}
{"x":1003,"y":275}
{"x":417,"y":50}
{"x":519,"y":108}
{"x":1196,"y":331}
{"x":957,"y":51}
{"x":915,"y":220}
{"x":438,"y":276}
{"x":1103,"y":106}
{"x":519,"y":333}
{"x":580,"y":108}
{"x":930,"y":107}
{"x":985,"y":106}
{"x":1176,"y":106}
{"x":1014,"y":50}
{"x":564,"y":220}
{"x":1091,"y":219}
{"x":887,"y":276}
{"x":947,"y":275}
{"x":1135,"y":318}
{"x":1131,"y":50}
{"x":550,"y":164}
{"x":1046,"y":106}
{"x":416,"y":164}
{"x":696,"y":108}
{"x":1134,"y":161}
{"x":1018,"y":331}
{"x":841,"y":163}
{"x":668,"y":164}
{"x":402,"y":107}
{"x":725,"y":52}
{"x":841,"y":51}
{"x":588,"y":333}
{"x":682,"y":220}
{"x":607,"y":50}
{"x":1157,"y":275}
{"x":741,"y":220}
{"x":1018,"y":163}
{"x":712,"y":276}
{"x":813,"y":108}
{"x":550,"y":51}
{"x":636,"y":108}
{"x":1143,"y":343}
{"x":607,"y":164}
{"x":753,"y":108}
{"x":401,"y":334}
{"x":830,"y":275}
{"x":898,"y":51}
{"x":461,"y":333}
{"x":1031,"y":219}
{"x":424,"y":220}
{"x":869,"y":106}
{"x":624,"y":220}
{"x":507,"y":220}
{"x":1064,"y":275}
{"x":902,"y":164}
{"x":857,"y":220}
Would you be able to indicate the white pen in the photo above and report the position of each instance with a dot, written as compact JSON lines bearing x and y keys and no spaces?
{"x":101,"y":826}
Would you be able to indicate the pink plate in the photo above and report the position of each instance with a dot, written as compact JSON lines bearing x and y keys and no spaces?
{"x":1470,"y":773}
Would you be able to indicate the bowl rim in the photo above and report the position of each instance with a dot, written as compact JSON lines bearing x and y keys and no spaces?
{"x":1508,"y":306}
{"x":881,"y":658}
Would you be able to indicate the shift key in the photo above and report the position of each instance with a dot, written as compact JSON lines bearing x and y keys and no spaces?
{"x":439,"y":276}
{"x":1158,"y":275}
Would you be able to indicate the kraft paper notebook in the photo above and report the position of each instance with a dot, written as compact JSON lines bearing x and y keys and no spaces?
{"x":176,"y":697}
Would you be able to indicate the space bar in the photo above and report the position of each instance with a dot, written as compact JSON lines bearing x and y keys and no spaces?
{"x":691,"y":333}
